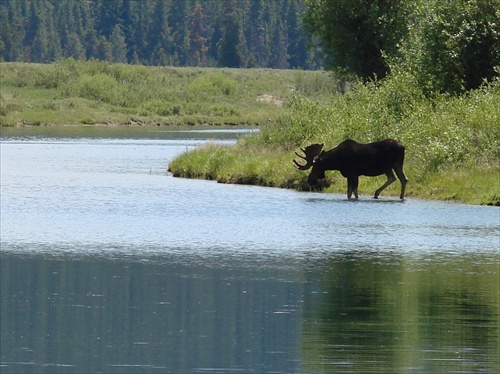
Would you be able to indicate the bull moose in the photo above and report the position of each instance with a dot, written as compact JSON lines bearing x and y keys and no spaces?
{"x":353,"y":159}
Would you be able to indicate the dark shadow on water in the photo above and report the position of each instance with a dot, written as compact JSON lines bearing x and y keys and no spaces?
{"x":362,"y":200}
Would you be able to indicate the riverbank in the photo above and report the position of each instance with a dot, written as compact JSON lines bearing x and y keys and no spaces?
{"x":274,"y":168}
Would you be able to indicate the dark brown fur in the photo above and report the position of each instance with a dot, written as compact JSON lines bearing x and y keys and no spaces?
{"x":353,"y":159}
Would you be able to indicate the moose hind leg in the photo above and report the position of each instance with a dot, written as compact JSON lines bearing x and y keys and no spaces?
{"x":402,"y":178}
{"x":390,"y":179}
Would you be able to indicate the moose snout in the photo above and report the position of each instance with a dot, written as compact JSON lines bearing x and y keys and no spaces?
{"x":312,"y":180}
{"x":315,"y":175}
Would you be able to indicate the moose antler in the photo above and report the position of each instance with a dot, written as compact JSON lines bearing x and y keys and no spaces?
{"x":310,"y":152}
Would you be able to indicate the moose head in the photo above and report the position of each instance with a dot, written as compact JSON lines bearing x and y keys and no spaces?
{"x":353,"y":159}
{"x":312,"y":154}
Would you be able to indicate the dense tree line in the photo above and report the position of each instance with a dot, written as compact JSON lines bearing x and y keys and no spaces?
{"x":447,"y":45}
{"x":225,"y":33}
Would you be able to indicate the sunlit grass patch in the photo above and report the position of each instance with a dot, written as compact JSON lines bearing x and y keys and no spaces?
{"x":463,"y":184}
{"x":163,"y":95}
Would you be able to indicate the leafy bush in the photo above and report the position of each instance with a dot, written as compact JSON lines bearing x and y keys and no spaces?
{"x":87,"y":121}
{"x":453,"y":46}
{"x":101,"y":87}
{"x":44,"y":76}
{"x":315,"y":85}
{"x":222,"y":111}
{"x":215,"y":83}
{"x":8,"y":104}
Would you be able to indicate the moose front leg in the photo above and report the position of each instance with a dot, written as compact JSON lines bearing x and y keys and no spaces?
{"x":352,"y":187}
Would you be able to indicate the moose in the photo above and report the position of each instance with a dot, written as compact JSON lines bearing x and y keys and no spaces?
{"x":353,"y":159}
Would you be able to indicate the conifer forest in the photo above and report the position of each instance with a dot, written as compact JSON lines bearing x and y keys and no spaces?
{"x":205,"y":33}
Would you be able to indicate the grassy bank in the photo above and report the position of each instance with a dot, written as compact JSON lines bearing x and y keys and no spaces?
{"x":453,"y":143}
{"x":94,"y":92}
{"x":273,"y":168}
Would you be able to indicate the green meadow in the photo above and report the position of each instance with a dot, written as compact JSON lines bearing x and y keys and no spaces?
{"x":452,"y":142}
{"x":70,"y":92}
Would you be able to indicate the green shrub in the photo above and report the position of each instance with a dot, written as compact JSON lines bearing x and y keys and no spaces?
{"x":87,"y":121}
{"x":100,"y":87}
{"x":8,"y":104}
{"x":214,"y":83}
{"x":452,"y":46}
{"x":44,"y":76}
{"x":222,"y":111}
{"x":318,"y":84}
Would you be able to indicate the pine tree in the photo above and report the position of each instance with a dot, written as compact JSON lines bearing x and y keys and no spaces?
{"x":74,"y":47}
{"x":215,"y":34}
{"x":259,"y":38}
{"x":118,"y":46}
{"x":109,"y":15}
{"x":66,"y":18}
{"x":39,"y":47}
{"x":177,"y":21}
{"x":160,"y":39}
{"x":33,"y":22}
{"x":91,"y":43}
{"x":46,"y":45}
{"x":129,"y":20}
{"x":229,"y":45}
{"x":297,"y":39}
{"x":140,"y":31}
{"x":279,"y":59}
{"x":197,"y":38}
{"x":103,"y":50}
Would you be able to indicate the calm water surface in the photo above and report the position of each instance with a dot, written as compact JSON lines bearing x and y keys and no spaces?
{"x":111,"y":265}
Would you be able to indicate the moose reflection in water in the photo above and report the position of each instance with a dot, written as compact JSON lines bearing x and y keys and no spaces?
{"x":353,"y":159}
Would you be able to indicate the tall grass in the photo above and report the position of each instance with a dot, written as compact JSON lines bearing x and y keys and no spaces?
{"x":438,"y":131}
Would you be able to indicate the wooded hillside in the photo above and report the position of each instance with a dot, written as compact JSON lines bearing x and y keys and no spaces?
{"x":223,"y":33}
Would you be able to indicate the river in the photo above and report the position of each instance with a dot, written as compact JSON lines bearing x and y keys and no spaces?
{"x":111,"y":265}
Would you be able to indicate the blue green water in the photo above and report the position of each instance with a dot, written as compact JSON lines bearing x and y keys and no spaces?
{"x":109,"y":264}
